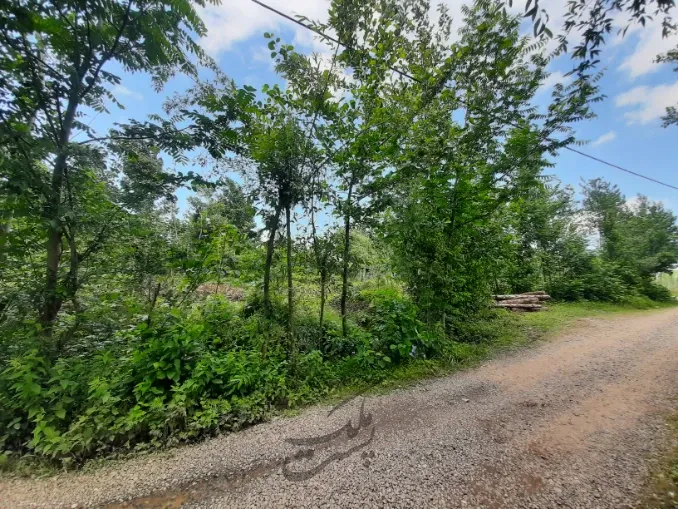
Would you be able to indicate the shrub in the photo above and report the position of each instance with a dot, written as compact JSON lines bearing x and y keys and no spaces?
{"x":393,"y":321}
{"x":656,"y":292}
{"x":169,"y":382}
{"x":604,"y":281}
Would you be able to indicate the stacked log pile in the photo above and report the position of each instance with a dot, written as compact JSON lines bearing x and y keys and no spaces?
{"x":529,"y":301}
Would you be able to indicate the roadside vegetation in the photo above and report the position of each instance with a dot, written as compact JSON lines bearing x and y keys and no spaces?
{"x":670,"y":281}
{"x":345,"y":230}
{"x":662,"y":491}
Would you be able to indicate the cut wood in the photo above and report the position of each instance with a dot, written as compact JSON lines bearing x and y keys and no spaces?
{"x":521,"y":296}
{"x":528,"y":301}
{"x":532,"y":307}
{"x":522,"y":300}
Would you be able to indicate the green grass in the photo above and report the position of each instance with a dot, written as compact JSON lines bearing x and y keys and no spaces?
{"x":662,"y":492}
{"x":562,"y":314}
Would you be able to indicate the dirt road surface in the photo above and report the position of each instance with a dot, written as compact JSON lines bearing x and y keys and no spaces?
{"x":574,"y":422}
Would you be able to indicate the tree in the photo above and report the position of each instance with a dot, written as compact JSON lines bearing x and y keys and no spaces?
{"x":592,"y":22}
{"x":606,"y":207}
{"x":277,"y":147}
{"x":143,"y":178}
{"x":326,"y":251}
{"x":225,"y":203}
{"x":55,"y":58}
{"x":377,"y":112}
{"x":638,"y":238}
{"x":308,"y":95}
{"x":455,"y":177}
{"x":652,"y":237}
{"x":539,"y":220}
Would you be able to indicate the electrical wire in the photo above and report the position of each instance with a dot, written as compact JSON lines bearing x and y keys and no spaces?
{"x":406,"y":75}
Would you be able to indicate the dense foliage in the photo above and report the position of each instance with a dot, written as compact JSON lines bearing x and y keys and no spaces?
{"x":357,"y":220}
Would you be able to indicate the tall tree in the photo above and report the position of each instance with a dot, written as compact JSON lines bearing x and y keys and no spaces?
{"x":277,"y":146}
{"x":225,"y":202}
{"x":379,"y":107}
{"x":455,"y":176}
{"x":539,"y":220}
{"x":56,"y":58}
{"x":606,"y":208}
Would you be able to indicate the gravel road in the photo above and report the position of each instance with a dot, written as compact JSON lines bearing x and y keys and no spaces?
{"x":574,"y":422}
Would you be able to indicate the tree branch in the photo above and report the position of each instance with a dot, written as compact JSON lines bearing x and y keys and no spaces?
{"x":108,"y":54}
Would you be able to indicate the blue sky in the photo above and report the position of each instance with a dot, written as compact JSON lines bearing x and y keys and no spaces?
{"x":627,"y":131}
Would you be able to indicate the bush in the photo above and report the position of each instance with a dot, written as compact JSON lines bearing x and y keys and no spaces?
{"x":172,"y":381}
{"x":656,"y":292}
{"x":192,"y":372}
{"x":393,"y":321}
{"x":608,"y":282}
{"x":604,"y":281}
{"x":487,"y":326}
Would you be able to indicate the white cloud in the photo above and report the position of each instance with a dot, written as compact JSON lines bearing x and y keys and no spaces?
{"x":237,"y":20}
{"x":121,"y":90}
{"x":605,"y":138}
{"x":648,"y":44}
{"x":650,"y":102}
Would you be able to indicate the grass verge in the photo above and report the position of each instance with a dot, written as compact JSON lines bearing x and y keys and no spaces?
{"x":509,"y":332}
{"x":662,"y":491}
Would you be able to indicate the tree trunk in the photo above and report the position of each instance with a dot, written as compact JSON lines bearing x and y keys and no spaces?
{"x":154,"y":300}
{"x":323,"y":289}
{"x":5,"y":227}
{"x":221,"y":262}
{"x":290,"y":288}
{"x":52,"y":209}
{"x":526,"y":307}
{"x":72,"y":281}
{"x":344,"y":274}
{"x":270,"y":245}
{"x":6,"y":218}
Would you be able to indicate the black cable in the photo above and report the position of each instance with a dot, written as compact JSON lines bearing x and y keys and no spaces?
{"x":290,"y":18}
{"x":406,"y":75}
{"x":620,"y":168}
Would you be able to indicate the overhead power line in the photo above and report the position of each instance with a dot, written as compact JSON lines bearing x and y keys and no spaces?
{"x":409,"y":76}
{"x":620,"y":168}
